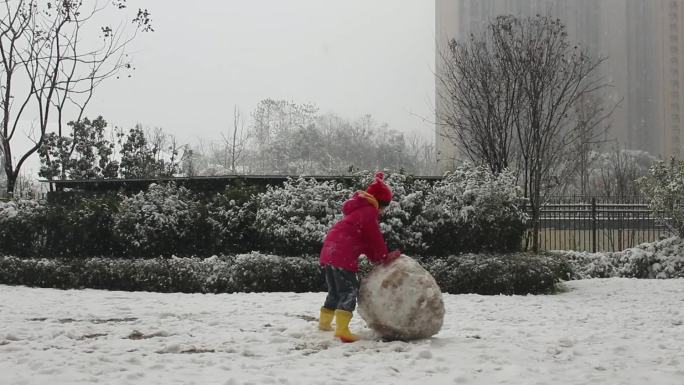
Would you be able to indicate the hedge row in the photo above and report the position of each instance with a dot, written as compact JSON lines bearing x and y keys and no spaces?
{"x":499,"y":274}
{"x":455,"y":215}
{"x":242,"y":273}
{"x":660,"y":260}
{"x":481,"y":274}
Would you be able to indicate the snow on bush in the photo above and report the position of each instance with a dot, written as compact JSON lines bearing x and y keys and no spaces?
{"x":81,"y":228}
{"x":256,"y":272}
{"x":160,"y":221}
{"x":493,"y":274}
{"x":472,"y":209}
{"x":242,"y":273}
{"x":456,"y":215}
{"x":658,"y":260}
{"x":21,"y":226}
{"x":294,"y":218}
{"x":230,"y":215}
{"x":664,"y":188}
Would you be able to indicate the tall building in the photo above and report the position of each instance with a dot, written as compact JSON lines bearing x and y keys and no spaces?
{"x":641,"y":40}
{"x":670,"y":22}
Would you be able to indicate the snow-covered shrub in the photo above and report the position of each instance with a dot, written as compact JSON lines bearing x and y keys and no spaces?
{"x":52,"y":273}
{"x":492,"y":274}
{"x":243,"y":273}
{"x":471,"y":210}
{"x":664,"y":189}
{"x":667,"y":257}
{"x":230,"y":216}
{"x":585,"y":265}
{"x":663,"y":259}
{"x":82,"y":228}
{"x":34,"y":228}
{"x":22,"y":230}
{"x":294,"y":218}
{"x":164,"y":220}
{"x":186,"y":275}
{"x":258,"y":273}
{"x":470,"y":273}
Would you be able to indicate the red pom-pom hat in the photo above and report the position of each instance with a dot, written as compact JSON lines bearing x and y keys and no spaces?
{"x":379,"y":189}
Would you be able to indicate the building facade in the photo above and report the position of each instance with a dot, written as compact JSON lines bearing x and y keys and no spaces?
{"x":670,"y":21}
{"x":641,"y":40}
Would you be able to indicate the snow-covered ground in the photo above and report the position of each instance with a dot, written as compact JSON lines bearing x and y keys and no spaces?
{"x":612,"y":331}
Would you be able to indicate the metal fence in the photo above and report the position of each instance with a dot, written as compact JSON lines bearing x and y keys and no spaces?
{"x":596,"y":224}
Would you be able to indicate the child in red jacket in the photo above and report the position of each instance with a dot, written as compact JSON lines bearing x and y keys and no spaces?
{"x":358,"y":232}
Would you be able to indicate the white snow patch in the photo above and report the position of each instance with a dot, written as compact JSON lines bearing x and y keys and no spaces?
{"x":600,"y":331}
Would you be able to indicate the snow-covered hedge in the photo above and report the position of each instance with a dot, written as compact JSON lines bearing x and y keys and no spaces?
{"x":457,"y":214}
{"x":230,"y":217}
{"x":471,"y":210}
{"x":509,"y":274}
{"x":664,"y":189}
{"x":254,"y":272}
{"x":242,"y":273}
{"x":663,"y":259}
{"x":163,"y":220}
{"x":83,"y":228}
{"x":294,"y":218}
{"x":20,"y":229}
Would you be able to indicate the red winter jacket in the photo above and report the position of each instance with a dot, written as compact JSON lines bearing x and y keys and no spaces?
{"x":355,"y":234}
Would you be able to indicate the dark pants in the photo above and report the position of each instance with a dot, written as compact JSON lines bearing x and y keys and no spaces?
{"x":343,"y":287}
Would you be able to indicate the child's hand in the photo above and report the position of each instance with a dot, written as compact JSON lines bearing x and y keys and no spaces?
{"x":391,"y":256}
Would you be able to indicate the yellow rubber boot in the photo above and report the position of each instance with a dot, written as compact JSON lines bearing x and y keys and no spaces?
{"x":342,"y":319}
{"x":325,"y":320}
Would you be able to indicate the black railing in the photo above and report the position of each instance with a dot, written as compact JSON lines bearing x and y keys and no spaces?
{"x":596,"y":224}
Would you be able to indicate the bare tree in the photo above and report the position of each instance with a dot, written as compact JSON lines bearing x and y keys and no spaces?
{"x":189,"y":161}
{"x":274,"y":121}
{"x":3,"y":188}
{"x":514,"y":96}
{"x":235,"y":143}
{"x":619,"y":170}
{"x":48,"y":70}
{"x":481,"y":99}
{"x":26,"y":187}
{"x":575,"y":172}
{"x":555,"y":77}
{"x":424,"y":154}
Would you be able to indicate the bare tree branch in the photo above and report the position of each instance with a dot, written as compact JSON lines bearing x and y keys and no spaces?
{"x":512,"y":98}
{"x":44,"y":57}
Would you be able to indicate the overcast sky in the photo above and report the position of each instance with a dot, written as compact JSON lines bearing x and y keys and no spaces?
{"x":350,"y":57}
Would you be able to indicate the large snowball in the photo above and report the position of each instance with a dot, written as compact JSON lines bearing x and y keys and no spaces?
{"x":401,"y":301}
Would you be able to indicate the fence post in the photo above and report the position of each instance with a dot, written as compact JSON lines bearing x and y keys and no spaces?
{"x":593,"y":224}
